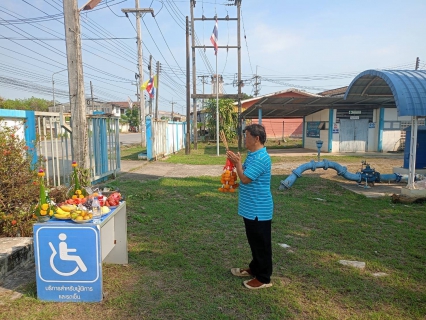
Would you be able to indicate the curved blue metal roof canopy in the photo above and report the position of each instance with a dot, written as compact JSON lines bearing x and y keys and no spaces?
{"x":406,"y":87}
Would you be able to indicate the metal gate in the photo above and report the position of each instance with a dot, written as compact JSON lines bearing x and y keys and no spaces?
{"x":55,"y":146}
{"x":49,"y":134}
{"x":353,"y":135}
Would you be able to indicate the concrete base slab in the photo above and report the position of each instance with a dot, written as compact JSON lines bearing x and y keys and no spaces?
{"x":405,"y":171}
{"x":414,"y":193}
{"x":142,"y":156}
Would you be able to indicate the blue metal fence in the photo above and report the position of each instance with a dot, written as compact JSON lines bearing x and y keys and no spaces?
{"x":164,"y":137}
{"x":49,"y":137}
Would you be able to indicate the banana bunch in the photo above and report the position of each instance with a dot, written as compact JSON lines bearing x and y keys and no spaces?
{"x":68,"y":207}
{"x":62,"y":214}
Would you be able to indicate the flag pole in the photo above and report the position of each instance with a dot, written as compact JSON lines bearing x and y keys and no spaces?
{"x":217,"y":108}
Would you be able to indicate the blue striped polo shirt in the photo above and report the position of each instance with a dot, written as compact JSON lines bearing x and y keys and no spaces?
{"x":255,"y":198}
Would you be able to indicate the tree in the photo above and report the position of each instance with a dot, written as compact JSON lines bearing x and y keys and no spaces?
{"x":228,"y":118}
{"x":246,"y":96}
{"x":33,"y":103}
{"x":131,"y":117}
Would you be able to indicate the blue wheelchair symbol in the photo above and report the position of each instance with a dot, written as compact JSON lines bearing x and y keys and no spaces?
{"x":68,"y":254}
{"x":63,"y":255}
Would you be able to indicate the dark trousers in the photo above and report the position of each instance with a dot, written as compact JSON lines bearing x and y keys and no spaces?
{"x":259,"y":238}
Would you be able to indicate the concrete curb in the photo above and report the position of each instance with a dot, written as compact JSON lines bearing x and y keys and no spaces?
{"x":14,"y":253}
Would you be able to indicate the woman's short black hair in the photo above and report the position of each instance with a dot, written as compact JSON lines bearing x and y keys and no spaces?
{"x":257,"y":130}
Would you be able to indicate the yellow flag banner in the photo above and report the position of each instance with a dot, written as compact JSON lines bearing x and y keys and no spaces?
{"x":147,"y":82}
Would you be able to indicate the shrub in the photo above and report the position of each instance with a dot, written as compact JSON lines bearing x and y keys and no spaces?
{"x":58,"y":194}
{"x":18,"y":184}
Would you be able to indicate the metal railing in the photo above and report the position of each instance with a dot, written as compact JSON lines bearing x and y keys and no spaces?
{"x":55,"y":149}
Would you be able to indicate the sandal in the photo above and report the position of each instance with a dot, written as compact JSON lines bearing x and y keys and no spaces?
{"x":238,"y":272}
{"x":255,"y":284}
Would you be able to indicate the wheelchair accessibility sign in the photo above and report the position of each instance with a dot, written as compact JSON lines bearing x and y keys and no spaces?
{"x":68,"y":262}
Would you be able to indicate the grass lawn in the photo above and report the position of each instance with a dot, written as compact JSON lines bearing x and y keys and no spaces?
{"x":184,"y":236}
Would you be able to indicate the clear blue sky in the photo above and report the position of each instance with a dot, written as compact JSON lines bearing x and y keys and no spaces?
{"x":313,"y":45}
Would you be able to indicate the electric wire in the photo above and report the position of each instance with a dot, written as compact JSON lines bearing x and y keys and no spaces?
{"x":40,"y":27}
{"x":245,"y":38}
{"x":168,"y":45}
{"x":112,"y":52}
{"x":165,"y":60}
{"x":88,"y":66}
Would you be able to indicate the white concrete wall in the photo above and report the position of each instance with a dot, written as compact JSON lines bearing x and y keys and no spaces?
{"x":391,"y":136}
{"x":18,"y":123}
{"x":310,"y":143}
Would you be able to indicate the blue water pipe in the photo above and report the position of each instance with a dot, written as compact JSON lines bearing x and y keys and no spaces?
{"x":367,"y":175}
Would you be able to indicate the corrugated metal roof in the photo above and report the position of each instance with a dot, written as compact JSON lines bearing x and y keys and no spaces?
{"x":406,"y":87}
{"x":305,"y":93}
{"x":297,"y":107}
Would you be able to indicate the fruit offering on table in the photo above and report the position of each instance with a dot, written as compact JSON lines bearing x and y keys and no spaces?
{"x":113,"y":200}
{"x":77,"y":198}
{"x":105,"y":210}
{"x":80,"y":215}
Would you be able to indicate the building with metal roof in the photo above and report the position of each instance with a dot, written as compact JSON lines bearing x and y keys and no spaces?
{"x":370,"y":116}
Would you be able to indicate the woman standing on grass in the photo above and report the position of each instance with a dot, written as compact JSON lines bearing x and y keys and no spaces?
{"x":255,"y":206}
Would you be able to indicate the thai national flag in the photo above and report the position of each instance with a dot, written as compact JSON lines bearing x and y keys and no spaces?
{"x":150,"y":88}
{"x":215,"y":38}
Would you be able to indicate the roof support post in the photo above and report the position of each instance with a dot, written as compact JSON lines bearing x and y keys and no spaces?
{"x":260,"y":114}
{"x":380,"y":133}
{"x":330,"y":129}
{"x":413,"y":150}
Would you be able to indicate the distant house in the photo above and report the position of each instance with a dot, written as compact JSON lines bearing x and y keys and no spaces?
{"x":113,"y":108}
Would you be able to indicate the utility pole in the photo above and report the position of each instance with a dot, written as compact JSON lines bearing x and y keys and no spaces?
{"x":172,"y":103}
{"x":194,"y":78}
{"x":256,"y":84}
{"x":417,"y":63}
{"x":138,"y":12}
{"x":150,"y":76}
{"x":157,"y":90}
{"x":203,"y":81}
{"x":76,"y":83}
{"x":91,"y":94}
{"x":240,"y":120}
{"x":173,"y":127}
{"x":188,"y":94}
